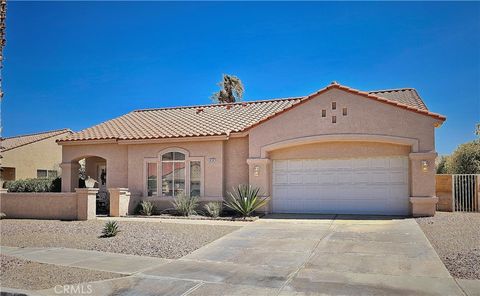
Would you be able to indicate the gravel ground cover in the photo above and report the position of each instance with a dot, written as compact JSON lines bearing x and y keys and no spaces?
{"x":164,"y":240}
{"x":456,"y":238}
{"x":23,"y":274}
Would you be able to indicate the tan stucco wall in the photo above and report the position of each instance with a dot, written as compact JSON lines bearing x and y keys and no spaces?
{"x":236,"y":167}
{"x":115,"y":155}
{"x":213,"y":172}
{"x":302,"y":132}
{"x":125,"y":165}
{"x":443,"y":188}
{"x":340,"y":150}
{"x":27,"y":159}
{"x":365,"y":116}
{"x":79,"y":205}
{"x":39,"y":205}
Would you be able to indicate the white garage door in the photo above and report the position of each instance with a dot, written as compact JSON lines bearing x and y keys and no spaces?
{"x":341,"y":186}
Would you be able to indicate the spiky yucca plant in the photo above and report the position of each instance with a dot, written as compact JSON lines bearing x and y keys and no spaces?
{"x":146,"y":208}
{"x":110,"y":229}
{"x":214,"y":208}
{"x":185,"y":205}
{"x":245,"y":200}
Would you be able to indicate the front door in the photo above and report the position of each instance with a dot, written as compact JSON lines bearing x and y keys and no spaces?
{"x":102,"y":196}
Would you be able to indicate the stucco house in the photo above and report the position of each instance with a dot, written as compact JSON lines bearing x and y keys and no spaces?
{"x":338,"y":150}
{"x":31,"y":156}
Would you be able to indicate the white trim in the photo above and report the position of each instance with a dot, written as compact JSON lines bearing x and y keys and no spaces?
{"x":145,"y":161}
{"x":158,"y":161}
{"x":173,"y":149}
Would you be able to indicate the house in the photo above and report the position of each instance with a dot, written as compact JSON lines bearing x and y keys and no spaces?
{"x":338,"y":150}
{"x":31,"y":156}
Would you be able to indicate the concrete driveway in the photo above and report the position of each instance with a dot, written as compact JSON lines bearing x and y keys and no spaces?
{"x":330,"y":255}
{"x":290,"y":255}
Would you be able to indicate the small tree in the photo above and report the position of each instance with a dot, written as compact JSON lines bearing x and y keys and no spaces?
{"x":465,"y":159}
{"x":231,"y":90}
{"x":442,"y":165}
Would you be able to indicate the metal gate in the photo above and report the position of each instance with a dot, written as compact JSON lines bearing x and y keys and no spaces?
{"x":465,"y":193}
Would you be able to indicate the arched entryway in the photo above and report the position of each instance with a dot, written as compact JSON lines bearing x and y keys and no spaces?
{"x":75,"y":173}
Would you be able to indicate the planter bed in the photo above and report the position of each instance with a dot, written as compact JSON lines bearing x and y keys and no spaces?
{"x":199,"y":217}
{"x":456,"y":238}
{"x":163,"y":240}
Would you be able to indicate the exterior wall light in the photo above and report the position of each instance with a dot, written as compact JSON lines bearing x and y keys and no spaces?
{"x":424,"y":166}
{"x":256,"y":171}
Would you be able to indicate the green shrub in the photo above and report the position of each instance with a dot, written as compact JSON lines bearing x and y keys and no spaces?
{"x":110,"y":229}
{"x":213,"y":209}
{"x":146,"y":208}
{"x":465,"y":159}
{"x":35,"y":185}
{"x":442,"y":165}
{"x":185,"y":205}
{"x":245,"y":200}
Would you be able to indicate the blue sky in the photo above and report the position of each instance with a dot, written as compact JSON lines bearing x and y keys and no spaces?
{"x":76,"y":64}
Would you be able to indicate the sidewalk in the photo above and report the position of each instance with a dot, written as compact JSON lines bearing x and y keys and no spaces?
{"x":95,"y":260}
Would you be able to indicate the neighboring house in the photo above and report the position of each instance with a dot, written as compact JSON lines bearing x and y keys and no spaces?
{"x":338,"y":150}
{"x":31,"y":156}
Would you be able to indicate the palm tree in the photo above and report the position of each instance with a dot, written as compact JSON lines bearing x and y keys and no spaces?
{"x":231,"y":90}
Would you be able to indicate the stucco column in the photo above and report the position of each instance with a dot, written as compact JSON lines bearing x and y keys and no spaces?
{"x":119,"y":201}
{"x":69,"y":175}
{"x":86,"y":203}
{"x":259,"y":176}
{"x":422,"y":197}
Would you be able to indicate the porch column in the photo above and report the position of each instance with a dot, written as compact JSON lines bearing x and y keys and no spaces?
{"x":86,"y":203}
{"x":422,"y":195}
{"x":69,"y":175}
{"x":259,"y":175}
{"x":119,"y":201}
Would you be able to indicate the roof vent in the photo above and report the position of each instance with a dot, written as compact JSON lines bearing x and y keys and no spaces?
{"x":334,"y":83}
{"x":228,"y":107}
{"x":244,"y":104}
{"x":199,"y":110}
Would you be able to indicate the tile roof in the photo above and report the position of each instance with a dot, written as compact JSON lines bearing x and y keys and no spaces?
{"x":17,"y":141}
{"x":407,"y":96}
{"x":222,"y":119}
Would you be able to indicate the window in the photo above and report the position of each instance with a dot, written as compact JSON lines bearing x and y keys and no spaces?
{"x":42,"y":174}
{"x":344,"y":111}
{"x":334,"y":119}
{"x":324,"y":113}
{"x":46,"y":173}
{"x":152,"y":179}
{"x":173,"y":174}
{"x":195,"y":176}
{"x":334,"y":105}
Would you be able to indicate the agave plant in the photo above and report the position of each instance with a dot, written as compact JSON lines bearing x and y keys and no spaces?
{"x":185,"y":205}
{"x":110,"y":229}
{"x":214,"y":209}
{"x":245,"y":200}
{"x":146,"y":208}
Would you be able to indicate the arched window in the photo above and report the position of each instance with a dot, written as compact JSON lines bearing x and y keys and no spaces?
{"x":179,"y":174}
{"x":173,"y":174}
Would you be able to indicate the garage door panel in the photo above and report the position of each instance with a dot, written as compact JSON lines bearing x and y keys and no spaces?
{"x":310,"y":178}
{"x":295,"y":165}
{"x":280,"y":165}
{"x":364,"y":186}
{"x":295,"y":178}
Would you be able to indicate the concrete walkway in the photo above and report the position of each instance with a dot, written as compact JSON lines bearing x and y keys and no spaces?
{"x":283,"y":255}
{"x":103,"y":261}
